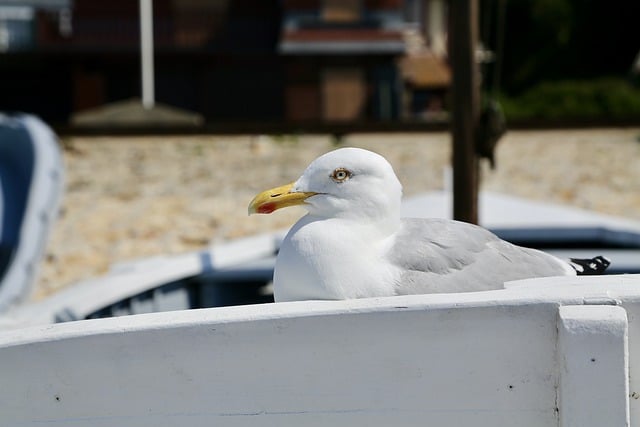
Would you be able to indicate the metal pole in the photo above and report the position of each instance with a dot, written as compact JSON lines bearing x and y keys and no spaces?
{"x":463,"y":35}
{"x":146,"y":53}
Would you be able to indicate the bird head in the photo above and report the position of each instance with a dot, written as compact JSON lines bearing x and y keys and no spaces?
{"x":345,"y":183}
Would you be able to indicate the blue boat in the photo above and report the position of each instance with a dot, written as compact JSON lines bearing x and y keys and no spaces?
{"x":31,"y":182}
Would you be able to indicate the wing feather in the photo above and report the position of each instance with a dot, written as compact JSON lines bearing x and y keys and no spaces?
{"x":437,"y":255}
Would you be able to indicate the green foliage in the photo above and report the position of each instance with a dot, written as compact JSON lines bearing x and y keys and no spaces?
{"x":605,"y":98}
{"x":555,"y":18}
{"x":549,"y":40}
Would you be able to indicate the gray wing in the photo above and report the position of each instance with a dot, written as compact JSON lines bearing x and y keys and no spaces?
{"x":437,"y":255}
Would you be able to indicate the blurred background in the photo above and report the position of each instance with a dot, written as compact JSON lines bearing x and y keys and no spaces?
{"x":248,"y":92}
{"x":289,"y":61}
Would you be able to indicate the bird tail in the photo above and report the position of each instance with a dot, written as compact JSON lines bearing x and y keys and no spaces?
{"x":591,"y":266}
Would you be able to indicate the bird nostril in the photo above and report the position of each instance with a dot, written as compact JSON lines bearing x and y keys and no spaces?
{"x":276,"y":195}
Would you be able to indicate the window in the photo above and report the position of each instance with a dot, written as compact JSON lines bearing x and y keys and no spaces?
{"x":341,"y":10}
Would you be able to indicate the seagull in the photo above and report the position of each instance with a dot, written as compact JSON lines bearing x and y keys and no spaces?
{"x":353,"y":243}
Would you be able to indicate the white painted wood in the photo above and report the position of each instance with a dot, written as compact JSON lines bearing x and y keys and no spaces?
{"x":594,"y":366}
{"x":622,"y":290}
{"x":482,"y":359}
{"x":395,"y":366}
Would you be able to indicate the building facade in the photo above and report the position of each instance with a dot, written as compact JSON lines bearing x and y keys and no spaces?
{"x":233,"y":61}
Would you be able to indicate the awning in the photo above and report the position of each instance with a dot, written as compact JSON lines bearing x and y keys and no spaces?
{"x":342,"y":41}
{"x":40,"y":4}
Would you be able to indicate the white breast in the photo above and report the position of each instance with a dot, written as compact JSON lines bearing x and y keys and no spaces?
{"x":332,"y":259}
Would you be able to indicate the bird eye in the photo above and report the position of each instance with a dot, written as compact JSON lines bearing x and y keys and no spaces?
{"x":341,"y":175}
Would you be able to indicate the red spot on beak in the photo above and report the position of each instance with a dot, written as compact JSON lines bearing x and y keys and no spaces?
{"x":266,"y":208}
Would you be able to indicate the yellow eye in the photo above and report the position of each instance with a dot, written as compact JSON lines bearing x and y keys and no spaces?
{"x":341,"y":175}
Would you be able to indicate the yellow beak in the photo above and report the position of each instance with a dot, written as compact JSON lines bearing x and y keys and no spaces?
{"x":277,"y":198}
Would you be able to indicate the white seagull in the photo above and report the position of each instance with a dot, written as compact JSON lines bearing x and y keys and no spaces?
{"x":353,"y":243}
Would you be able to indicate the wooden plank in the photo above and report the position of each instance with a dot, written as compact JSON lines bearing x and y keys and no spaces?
{"x":594,"y":366}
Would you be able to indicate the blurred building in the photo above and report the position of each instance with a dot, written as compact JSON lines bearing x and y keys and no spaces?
{"x":233,"y":61}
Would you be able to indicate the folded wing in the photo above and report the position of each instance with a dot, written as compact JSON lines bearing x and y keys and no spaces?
{"x":437,"y":255}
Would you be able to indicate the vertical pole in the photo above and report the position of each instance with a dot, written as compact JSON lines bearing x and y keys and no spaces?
{"x":463,"y":33}
{"x":146,"y":53}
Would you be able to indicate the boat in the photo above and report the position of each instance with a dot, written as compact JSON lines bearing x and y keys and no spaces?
{"x":195,"y":339}
{"x":240,"y":272}
{"x":545,"y":352}
{"x":31,"y":185}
